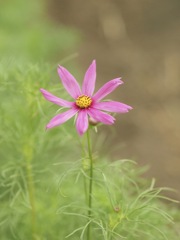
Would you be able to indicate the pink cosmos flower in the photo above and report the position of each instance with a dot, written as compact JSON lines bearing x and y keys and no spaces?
{"x":85,"y":104}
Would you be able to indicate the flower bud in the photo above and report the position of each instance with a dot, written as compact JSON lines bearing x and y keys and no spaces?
{"x":92,"y":121}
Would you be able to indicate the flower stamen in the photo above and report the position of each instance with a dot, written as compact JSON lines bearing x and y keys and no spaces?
{"x":83,"y":101}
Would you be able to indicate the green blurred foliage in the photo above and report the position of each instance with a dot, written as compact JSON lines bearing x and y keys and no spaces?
{"x":44,"y":173}
{"x":27,"y":33}
{"x":25,"y":144}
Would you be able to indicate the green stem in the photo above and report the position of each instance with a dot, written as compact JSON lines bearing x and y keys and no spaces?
{"x":30,"y":186}
{"x":84,"y":167}
{"x":90,"y":185}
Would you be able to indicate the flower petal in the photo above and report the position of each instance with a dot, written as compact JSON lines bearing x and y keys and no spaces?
{"x":101,"y":116}
{"x":50,"y":97}
{"x":112,"y":106}
{"x":61,"y":118}
{"x":89,"y":80}
{"x":69,"y":82}
{"x":107,"y":88}
{"x":82,"y":122}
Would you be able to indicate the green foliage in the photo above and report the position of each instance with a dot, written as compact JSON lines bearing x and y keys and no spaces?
{"x":27,"y":151}
{"x":27,"y":34}
{"x":44,"y":174}
{"x":124,"y":205}
{"x":43,"y":182}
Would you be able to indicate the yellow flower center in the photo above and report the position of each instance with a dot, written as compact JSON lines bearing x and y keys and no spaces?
{"x":83,"y":101}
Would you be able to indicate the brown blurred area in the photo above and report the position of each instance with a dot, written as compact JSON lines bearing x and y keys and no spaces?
{"x":138,"y":40}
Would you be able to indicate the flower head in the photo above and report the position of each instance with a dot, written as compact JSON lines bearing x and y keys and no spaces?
{"x":85,"y":104}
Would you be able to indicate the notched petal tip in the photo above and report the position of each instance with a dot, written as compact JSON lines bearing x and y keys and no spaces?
{"x":60,"y":68}
{"x":94,"y":61}
{"x":118,"y":80}
{"x":42,"y":90}
{"x":130,"y":108}
{"x":49,"y":125}
{"x":80,"y":133}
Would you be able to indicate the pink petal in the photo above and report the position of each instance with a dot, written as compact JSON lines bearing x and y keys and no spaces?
{"x":82,"y":122}
{"x":112,"y":106}
{"x":107,"y":88}
{"x":61,"y":118}
{"x":89,"y":80}
{"x":50,"y":97}
{"x":69,"y":82}
{"x":101,"y":116}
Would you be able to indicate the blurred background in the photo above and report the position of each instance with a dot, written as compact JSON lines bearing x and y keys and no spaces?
{"x":138,"y":40}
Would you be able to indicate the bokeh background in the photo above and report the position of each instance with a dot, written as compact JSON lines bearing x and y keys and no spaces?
{"x":43,"y":173}
{"x":138,"y":40}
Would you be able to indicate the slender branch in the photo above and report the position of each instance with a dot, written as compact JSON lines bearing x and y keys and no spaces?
{"x":30,"y":186}
{"x":84,"y":154}
{"x":90,"y":185}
